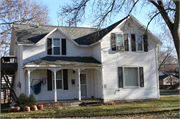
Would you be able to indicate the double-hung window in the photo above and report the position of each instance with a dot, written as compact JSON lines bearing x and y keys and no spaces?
{"x":61,"y":79}
{"x":119,"y":42}
{"x":131,"y":77}
{"x":139,"y":43}
{"x":58,"y":80}
{"x":56,"y":46}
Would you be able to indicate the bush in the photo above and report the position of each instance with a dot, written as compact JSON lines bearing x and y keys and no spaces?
{"x":23,"y":101}
{"x":32,"y":100}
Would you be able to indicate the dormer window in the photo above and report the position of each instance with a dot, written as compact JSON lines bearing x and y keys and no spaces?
{"x":56,"y":46}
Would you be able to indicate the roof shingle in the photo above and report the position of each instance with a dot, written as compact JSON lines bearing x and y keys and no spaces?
{"x":66,"y":61}
{"x":31,"y":34}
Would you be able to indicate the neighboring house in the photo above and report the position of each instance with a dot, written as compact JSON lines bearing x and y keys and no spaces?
{"x":114,"y":63}
{"x":168,"y":80}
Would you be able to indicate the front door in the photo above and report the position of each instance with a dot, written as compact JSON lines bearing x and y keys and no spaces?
{"x":83,"y":85}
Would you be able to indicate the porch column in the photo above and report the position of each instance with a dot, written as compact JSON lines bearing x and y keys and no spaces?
{"x":102,"y":82}
{"x":79,"y":84}
{"x":55,"y":88}
{"x":28,"y":82}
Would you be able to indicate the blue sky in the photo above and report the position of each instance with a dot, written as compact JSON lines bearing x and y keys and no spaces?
{"x":140,"y":15}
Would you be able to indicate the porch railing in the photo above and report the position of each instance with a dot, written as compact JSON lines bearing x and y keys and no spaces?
{"x":9,"y":63}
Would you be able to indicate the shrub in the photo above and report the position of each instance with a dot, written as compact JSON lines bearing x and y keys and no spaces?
{"x":23,"y":101}
{"x":32,"y":100}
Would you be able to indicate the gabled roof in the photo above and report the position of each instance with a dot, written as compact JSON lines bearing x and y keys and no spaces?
{"x":31,"y":34}
{"x":66,"y":61}
{"x":96,"y":36}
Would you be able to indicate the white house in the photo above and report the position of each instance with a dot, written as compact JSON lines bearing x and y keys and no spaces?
{"x":115,"y":63}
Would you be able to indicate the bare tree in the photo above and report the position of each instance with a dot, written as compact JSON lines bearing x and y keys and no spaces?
{"x":167,"y":58}
{"x":168,"y":10}
{"x":19,"y":11}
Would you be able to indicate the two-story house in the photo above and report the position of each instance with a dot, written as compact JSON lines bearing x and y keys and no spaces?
{"x":57,"y":62}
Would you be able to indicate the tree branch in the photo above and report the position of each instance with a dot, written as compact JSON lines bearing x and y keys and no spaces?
{"x":104,"y":16}
{"x":133,"y":7}
{"x":163,"y":13}
{"x":176,"y":21}
{"x":153,"y":18}
{"x":5,"y":31}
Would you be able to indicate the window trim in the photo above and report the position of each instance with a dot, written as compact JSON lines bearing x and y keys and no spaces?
{"x":124,"y":86}
{"x":137,"y":43}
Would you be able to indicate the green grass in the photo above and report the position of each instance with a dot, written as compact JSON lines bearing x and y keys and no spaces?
{"x":165,"y":107}
{"x":169,"y":91}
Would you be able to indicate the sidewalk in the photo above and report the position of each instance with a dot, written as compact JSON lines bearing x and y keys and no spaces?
{"x":169,"y":93}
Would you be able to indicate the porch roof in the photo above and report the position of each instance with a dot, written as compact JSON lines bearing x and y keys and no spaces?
{"x":66,"y":61}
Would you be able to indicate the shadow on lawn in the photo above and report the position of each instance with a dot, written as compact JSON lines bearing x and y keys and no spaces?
{"x":149,"y":112}
{"x":55,"y":115}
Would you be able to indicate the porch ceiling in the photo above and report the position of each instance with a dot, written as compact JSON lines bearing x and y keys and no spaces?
{"x":66,"y":61}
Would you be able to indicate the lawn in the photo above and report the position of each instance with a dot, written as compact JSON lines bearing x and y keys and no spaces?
{"x":166,"y":107}
{"x":169,"y":91}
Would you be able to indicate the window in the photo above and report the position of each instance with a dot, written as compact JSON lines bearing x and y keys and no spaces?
{"x":119,"y":42}
{"x":130,"y":77}
{"x":58,"y":80}
{"x":139,"y":43}
{"x":56,"y":46}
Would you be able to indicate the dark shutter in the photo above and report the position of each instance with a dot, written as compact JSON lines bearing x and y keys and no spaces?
{"x":65,"y":79}
{"x":49,"y":79}
{"x":133,"y":42}
{"x":63,"y":46}
{"x":120,"y":77}
{"x":141,"y":74}
{"x":126,"y":42}
{"x":49,"y":46}
{"x":145,"y":38}
{"x":113,"y":42}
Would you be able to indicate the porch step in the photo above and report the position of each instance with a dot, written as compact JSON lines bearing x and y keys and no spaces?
{"x":97,"y":103}
{"x":69,"y":103}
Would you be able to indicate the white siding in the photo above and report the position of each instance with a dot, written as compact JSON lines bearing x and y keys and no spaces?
{"x":31,"y":53}
{"x":96,"y":52}
{"x":71,"y":93}
{"x":111,"y":60}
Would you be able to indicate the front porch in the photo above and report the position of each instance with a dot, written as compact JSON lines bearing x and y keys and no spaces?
{"x":81,"y":83}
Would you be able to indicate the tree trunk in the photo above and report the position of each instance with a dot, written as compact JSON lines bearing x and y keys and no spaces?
{"x":176,"y":38}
